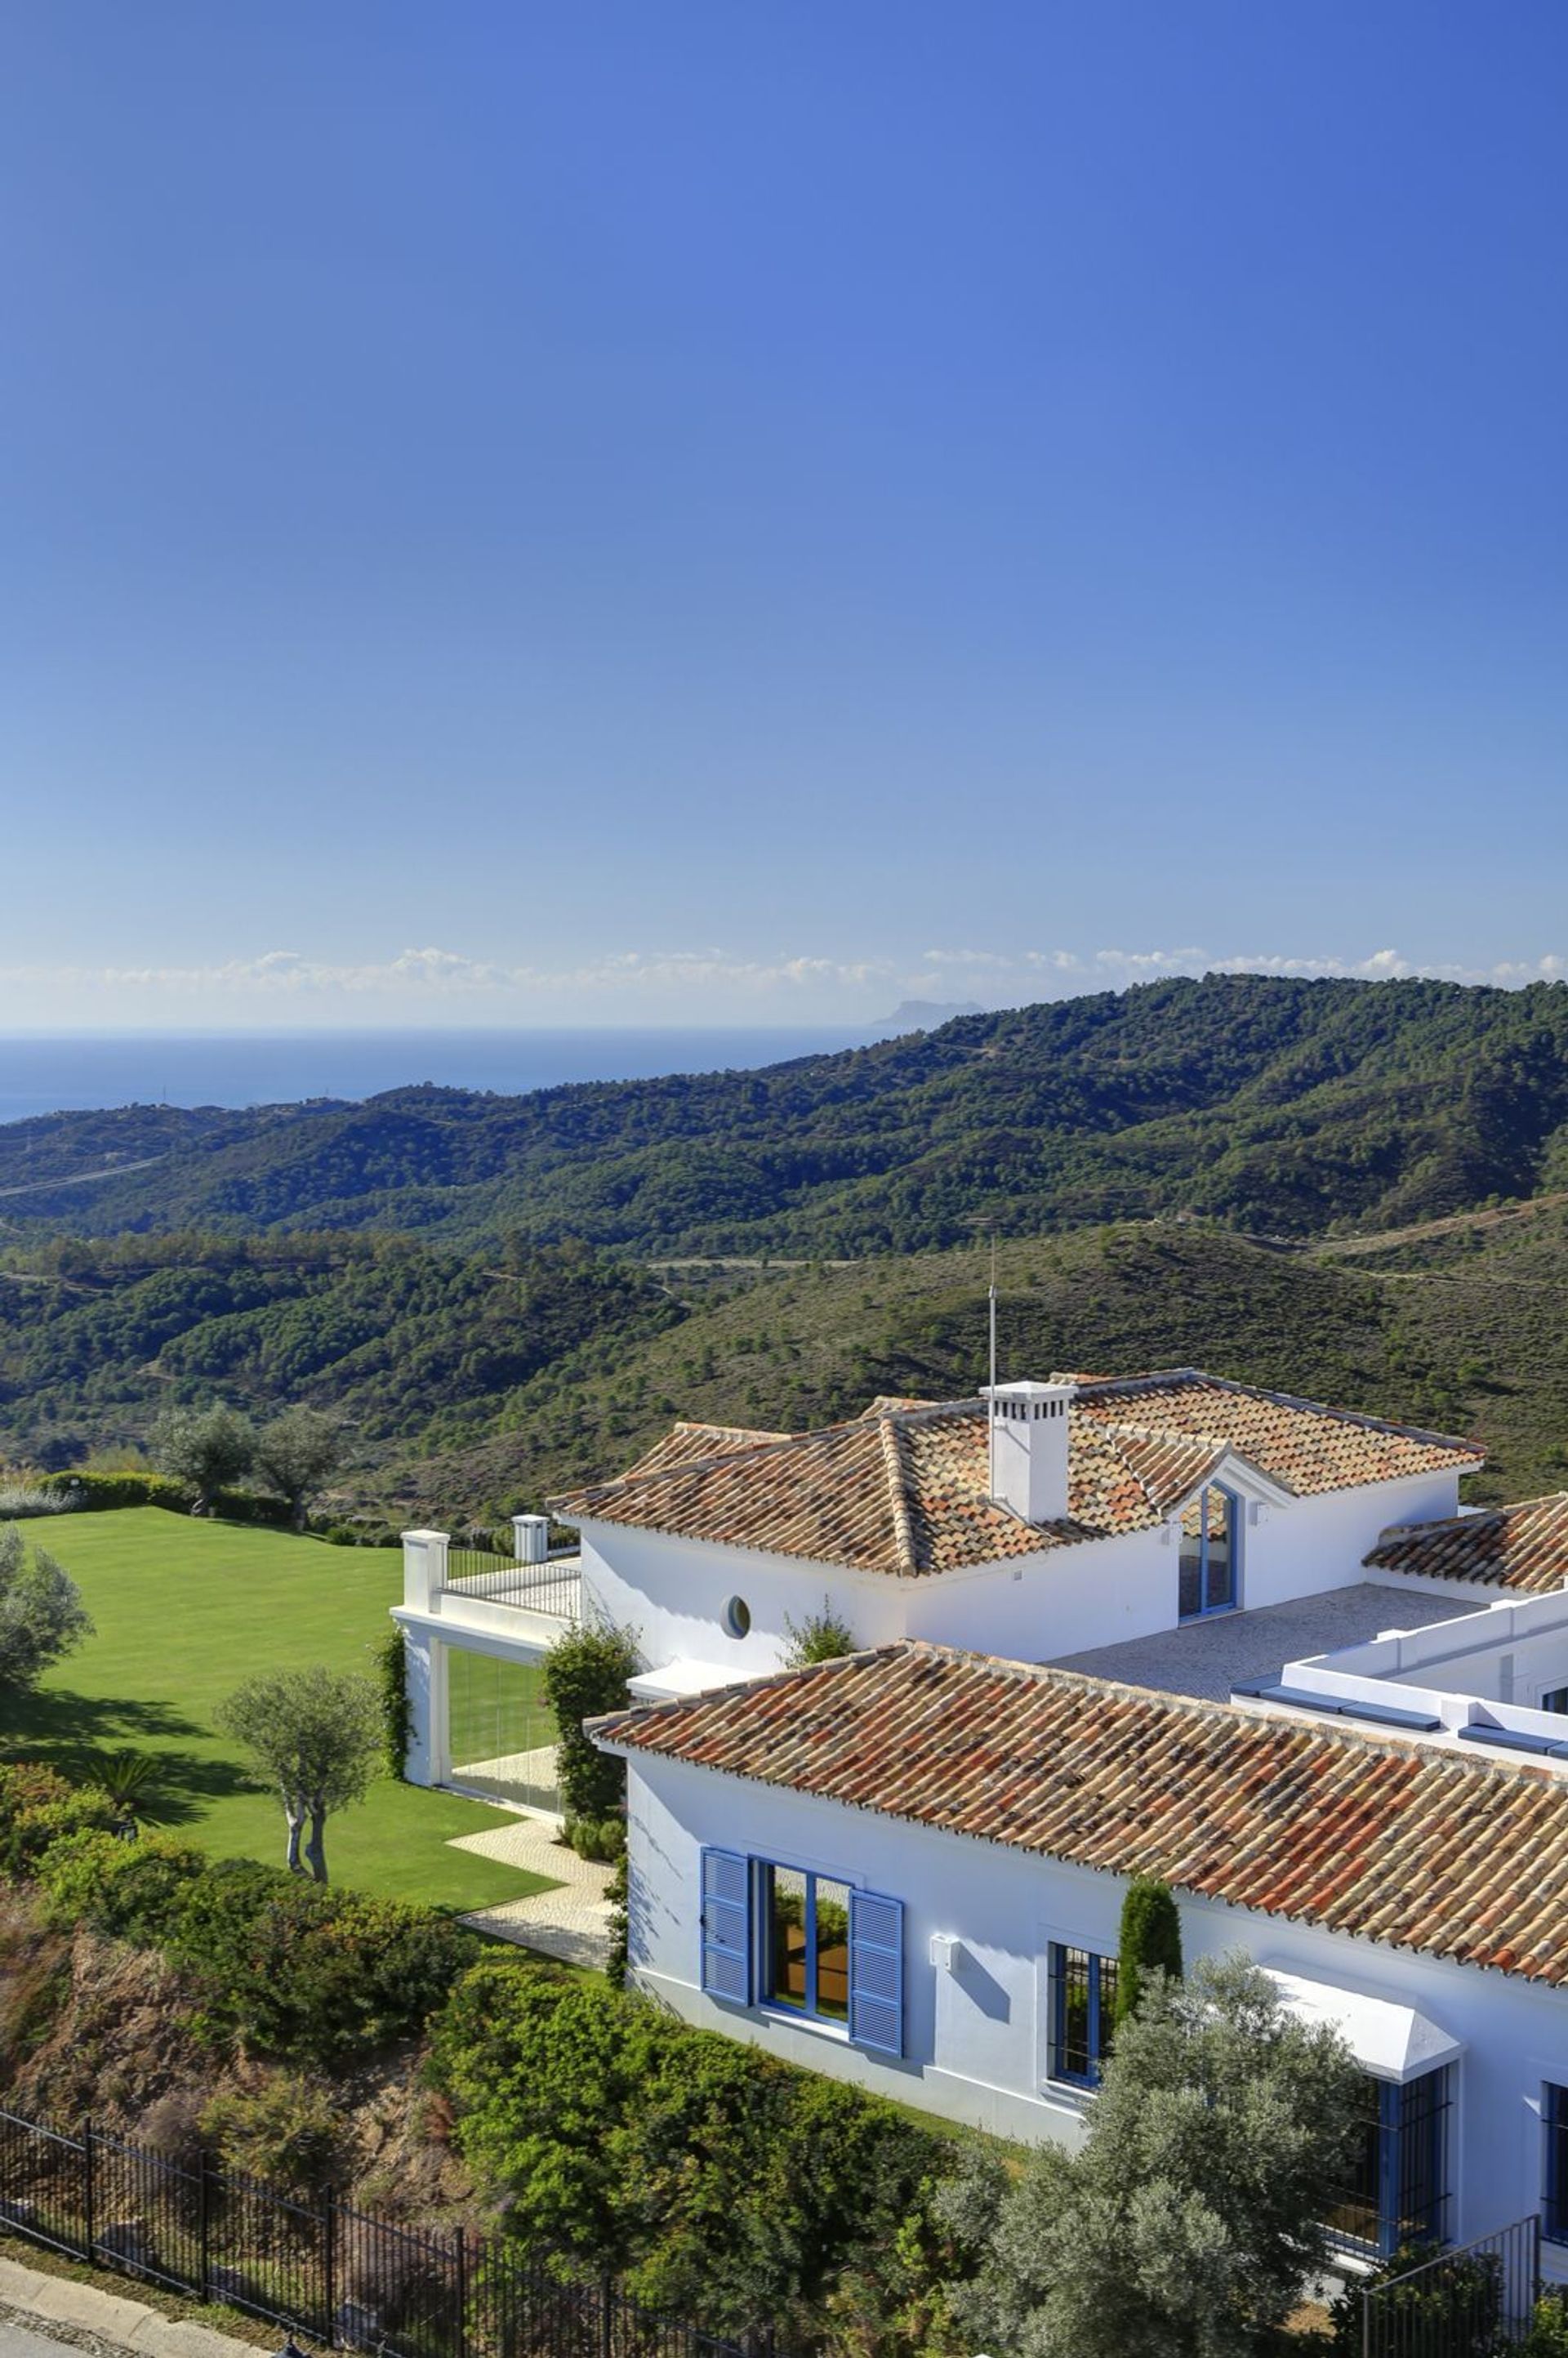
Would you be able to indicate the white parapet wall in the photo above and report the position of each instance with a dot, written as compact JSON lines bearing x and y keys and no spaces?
{"x":1490,"y":1666}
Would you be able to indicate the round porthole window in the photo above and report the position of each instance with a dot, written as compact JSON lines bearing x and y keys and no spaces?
{"x":737,"y":1617}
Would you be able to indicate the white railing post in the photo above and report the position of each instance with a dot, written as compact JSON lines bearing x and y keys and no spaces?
{"x":424,"y":1568}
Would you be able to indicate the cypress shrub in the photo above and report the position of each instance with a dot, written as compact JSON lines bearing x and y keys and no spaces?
{"x":1151,"y":1941}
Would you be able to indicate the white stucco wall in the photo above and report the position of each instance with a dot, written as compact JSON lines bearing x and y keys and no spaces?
{"x":675,"y":1592}
{"x":976,"y":2038}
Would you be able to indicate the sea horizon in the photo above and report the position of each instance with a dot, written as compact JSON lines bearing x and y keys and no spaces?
{"x":86,"y":1071}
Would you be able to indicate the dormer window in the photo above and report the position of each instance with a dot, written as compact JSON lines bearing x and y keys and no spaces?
{"x":1211,"y":1541}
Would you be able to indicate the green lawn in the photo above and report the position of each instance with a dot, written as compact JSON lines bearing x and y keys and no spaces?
{"x":185,"y":1609}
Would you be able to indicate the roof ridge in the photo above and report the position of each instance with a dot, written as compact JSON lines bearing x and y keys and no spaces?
{"x":898,"y":1489}
{"x":1357,"y":1416}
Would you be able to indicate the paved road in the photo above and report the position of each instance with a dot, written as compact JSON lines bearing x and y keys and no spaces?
{"x":21,"y":2342}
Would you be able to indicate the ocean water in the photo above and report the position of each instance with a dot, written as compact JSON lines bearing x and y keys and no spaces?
{"x":70,"y":1071}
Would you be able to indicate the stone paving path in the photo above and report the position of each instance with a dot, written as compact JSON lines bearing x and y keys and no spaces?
{"x":572,"y":1921}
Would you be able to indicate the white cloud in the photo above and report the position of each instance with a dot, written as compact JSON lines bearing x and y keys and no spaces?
{"x":698,"y":983}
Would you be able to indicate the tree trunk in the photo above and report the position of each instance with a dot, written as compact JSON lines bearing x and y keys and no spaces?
{"x":294,"y":1810}
{"x":315,"y":1849}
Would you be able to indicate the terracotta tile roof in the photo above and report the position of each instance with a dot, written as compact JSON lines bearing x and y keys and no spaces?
{"x":902,"y":1489}
{"x":1523,"y":1546}
{"x":1387,"y":1840}
{"x":684,"y":1445}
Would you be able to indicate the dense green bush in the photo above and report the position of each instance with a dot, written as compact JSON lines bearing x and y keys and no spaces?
{"x":1455,"y":2307}
{"x":285,"y":2131}
{"x":135,"y":1890}
{"x":31,"y":1833}
{"x":723,"y":2183}
{"x":296,"y":1969}
{"x":585,"y":1672}
{"x":1149,"y":1942}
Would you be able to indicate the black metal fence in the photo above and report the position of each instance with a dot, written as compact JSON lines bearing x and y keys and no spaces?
{"x":1475,"y":2302}
{"x":341,"y":2278}
{"x":553,"y":1588}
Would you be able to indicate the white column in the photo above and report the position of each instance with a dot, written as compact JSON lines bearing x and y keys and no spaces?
{"x":424,"y":1568}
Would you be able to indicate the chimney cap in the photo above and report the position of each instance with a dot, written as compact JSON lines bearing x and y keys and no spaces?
{"x":1028,"y":1392}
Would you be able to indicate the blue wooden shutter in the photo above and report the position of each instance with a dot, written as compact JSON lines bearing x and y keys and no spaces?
{"x":876,"y":1972}
{"x":726,"y":1925}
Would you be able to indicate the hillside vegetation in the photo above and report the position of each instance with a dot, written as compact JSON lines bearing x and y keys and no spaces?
{"x":1272,"y":1105}
{"x":1279,"y":1180}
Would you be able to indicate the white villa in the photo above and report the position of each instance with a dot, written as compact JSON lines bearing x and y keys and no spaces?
{"x":1163,"y":1624}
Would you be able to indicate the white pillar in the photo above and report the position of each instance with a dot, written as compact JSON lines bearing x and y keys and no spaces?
{"x":424,"y":1568}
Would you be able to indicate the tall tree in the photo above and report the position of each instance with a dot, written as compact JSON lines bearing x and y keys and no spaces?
{"x":1150,"y":1942}
{"x":318,"y":1735}
{"x":1187,"y":2223}
{"x":206,"y":1448}
{"x":296,"y":1453}
{"x":41,"y":1613}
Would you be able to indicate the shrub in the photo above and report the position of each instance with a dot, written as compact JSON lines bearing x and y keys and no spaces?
{"x":296,"y":1969}
{"x":1548,"y":2335}
{"x":1151,"y":1941}
{"x":98,"y":1493}
{"x":287,"y":2132}
{"x":585,"y":1672}
{"x":1454,"y":2307}
{"x":132,"y":1890}
{"x":18,"y":1499}
{"x":722,"y":2181}
{"x":822,"y":1636}
{"x":33,"y":1833}
{"x":597,"y":1838}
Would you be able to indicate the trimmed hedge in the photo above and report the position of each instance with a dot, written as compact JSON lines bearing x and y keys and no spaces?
{"x":96,"y":1493}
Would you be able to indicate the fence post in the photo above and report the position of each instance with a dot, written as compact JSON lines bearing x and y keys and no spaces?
{"x":606,"y":2316}
{"x":461,"y":2252}
{"x":1366,"y":2325}
{"x":204,"y":2218}
{"x":88,"y":2220}
{"x":328,"y":2268}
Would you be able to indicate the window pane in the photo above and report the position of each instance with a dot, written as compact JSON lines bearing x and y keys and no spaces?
{"x":786,"y":1937}
{"x":832,"y":1916}
{"x":1555,"y":1700}
{"x":501,"y":1734}
{"x":1073,"y":2056}
{"x":1423,"y":2112}
{"x":1219,"y":1589}
{"x":1355,"y":2216}
{"x":1189,"y":1578}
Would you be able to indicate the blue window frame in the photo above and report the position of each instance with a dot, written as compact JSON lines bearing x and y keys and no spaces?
{"x":1083,"y":2008}
{"x":1211,"y":1551}
{"x":807,"y":1944}
{"x":1554,"y":2200}
{"x":804,"y":1922}
{"x":1555,"y":1699}
{"x":1396,"y":2191}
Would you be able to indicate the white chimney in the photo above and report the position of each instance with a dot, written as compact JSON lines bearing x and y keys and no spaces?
{"x":1029,"y":1448}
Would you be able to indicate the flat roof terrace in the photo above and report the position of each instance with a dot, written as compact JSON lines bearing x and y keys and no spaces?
{"x":1207,"y":1659}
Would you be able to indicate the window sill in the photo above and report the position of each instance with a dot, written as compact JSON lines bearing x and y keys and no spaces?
{"x":812,"y":2024}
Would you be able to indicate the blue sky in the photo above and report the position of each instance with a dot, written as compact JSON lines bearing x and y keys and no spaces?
{"x":527,"y":512}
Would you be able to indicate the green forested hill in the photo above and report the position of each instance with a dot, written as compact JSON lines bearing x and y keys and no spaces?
{"x":1270,"y":1105}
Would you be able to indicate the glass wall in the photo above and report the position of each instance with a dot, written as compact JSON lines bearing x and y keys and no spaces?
{"x":501,"y":1733}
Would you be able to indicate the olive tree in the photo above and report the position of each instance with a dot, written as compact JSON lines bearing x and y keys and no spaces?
{"x":41,"y":1613}
{"x":296,"y":1453}
{"x":208,"y":1449}
{"x":1188,"y":2222}
{"x":318,"y":1735}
